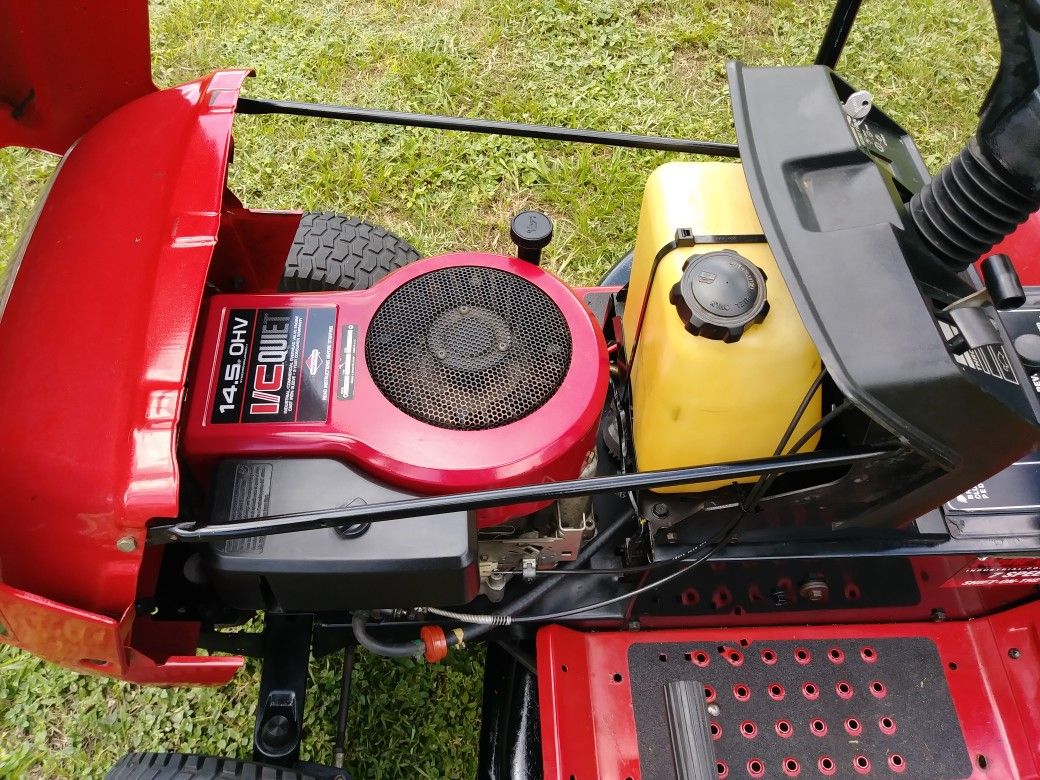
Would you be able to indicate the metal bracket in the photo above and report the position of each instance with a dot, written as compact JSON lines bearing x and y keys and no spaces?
{"x":283,"y":687}
{"x":543,"y":552}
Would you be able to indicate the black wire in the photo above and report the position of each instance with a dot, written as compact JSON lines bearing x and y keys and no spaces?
{"x":717,"y":542}
{"x":726,"y":537}
{"x":800,"y":411}
{"x":818,"y":426}
{"x":620,"y":571}
{"x":752,"y":498}
{"x":768,"y":479}
{"x":721,"y":540}
{"x":532,"y":596}
{"x":622,"y":432}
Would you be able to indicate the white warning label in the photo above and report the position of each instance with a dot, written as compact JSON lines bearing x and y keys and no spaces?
{"x":990,"y":359}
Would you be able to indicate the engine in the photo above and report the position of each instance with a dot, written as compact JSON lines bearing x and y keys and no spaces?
{"x":461,"y":372}
{"x":471,"y":372}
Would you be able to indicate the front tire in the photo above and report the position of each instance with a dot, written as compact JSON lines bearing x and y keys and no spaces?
{"x":331,"y":252}
{"x":184,"y":766}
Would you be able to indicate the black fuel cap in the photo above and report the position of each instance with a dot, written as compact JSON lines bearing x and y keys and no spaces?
{"x":720,"y":294}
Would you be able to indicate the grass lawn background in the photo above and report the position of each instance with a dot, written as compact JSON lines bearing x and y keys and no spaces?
{"x":645,"y":67}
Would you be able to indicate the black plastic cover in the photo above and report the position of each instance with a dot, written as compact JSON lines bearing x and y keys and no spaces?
{"x":830,"y":192}
{"x":419,"y":561}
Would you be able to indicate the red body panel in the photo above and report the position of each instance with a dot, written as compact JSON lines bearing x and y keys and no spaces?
{"x":86,"y":641}
{"x":549,"y":444}
{"x":98,"y":328}
{"x":252,"y":247}
{"x":588,"y":725}
{"x":64,"y":66}
{"x":936,"y":575}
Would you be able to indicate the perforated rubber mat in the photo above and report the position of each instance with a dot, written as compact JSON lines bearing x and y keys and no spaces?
{"x":846,"y":708}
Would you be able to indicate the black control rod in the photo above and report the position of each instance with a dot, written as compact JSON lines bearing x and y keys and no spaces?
{"x":486,"y":126}
{"x":464,"y":502}
{"x":838,"y":29}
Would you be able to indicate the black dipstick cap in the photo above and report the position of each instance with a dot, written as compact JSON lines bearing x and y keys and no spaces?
{"x":720,"y":294}
{"x":531,"y":231}
{"x":1002,"y":282}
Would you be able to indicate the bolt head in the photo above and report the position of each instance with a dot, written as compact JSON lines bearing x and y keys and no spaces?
{"x":1014,"y":653}
{"x":714,"y":710}
{"x":814,"y":590}
{"x":126,"y":544}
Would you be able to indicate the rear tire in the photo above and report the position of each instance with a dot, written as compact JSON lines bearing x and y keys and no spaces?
{"x":331,"y":252}
{"x":182,"y":766}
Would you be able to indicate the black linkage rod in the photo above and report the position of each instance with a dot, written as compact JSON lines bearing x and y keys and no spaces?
{"x":463,"y":502}
{"x":487,"y":126}
{"x":339,"y":747}
{"x":842,"y":19}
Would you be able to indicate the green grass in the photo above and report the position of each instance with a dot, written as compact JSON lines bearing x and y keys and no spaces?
{"x":612,"y":64}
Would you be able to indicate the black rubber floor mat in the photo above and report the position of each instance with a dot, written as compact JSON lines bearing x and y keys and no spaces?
{"x":845,"y":708}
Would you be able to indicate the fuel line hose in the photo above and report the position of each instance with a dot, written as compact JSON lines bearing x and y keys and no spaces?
{"x":418,"y":647}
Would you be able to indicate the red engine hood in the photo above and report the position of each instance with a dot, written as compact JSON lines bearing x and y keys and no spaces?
{"x":65,"y":66}
{"x":97,"y":320}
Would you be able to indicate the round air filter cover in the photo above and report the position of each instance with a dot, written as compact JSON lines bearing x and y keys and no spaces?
{"x":468,"y":348}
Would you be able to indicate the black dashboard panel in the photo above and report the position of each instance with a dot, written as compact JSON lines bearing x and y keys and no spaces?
{"x":830,"y":193}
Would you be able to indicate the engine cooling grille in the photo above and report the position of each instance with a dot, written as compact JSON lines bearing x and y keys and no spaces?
{"x":468,"y":348}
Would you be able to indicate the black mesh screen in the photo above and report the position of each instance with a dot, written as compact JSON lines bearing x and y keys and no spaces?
{"x":468,"y":348}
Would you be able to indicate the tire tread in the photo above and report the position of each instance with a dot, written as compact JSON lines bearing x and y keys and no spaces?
{"x":185,"y":766}
{"x":334,"y":252}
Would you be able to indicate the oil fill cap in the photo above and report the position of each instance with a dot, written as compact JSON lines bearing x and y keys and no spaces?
{"x":720,"y":294}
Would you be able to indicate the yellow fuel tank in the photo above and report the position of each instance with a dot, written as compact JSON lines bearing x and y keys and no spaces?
{"x":697,"y":399}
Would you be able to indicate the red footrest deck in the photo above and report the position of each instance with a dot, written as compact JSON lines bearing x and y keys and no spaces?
{"x":910,"y":700}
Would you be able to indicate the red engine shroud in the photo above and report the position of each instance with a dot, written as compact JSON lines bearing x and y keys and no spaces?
{"x":367,"y":429}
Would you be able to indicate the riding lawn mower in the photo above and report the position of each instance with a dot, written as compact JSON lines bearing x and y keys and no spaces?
{"x":765,"y":502}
